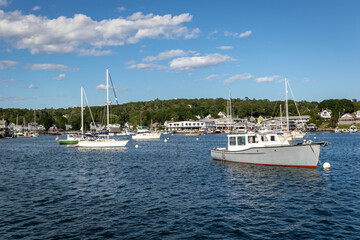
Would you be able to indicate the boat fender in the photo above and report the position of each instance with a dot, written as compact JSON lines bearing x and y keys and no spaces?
{"x":309,"y":142}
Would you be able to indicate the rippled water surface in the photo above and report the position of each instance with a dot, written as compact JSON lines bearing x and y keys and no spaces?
{"x":174,"y":190}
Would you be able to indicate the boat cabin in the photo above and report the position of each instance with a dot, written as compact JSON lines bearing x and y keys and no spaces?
{"x":248,"y":140}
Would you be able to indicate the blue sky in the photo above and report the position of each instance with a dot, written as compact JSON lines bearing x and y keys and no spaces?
{"x":176,"y":49}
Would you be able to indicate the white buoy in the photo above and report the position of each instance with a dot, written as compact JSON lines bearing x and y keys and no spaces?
{"x":165,"y":140}
{"x":136,"y":146}
{"x":314,"y":137}
{"x":326,"y":166}
{"x":197,"y":139}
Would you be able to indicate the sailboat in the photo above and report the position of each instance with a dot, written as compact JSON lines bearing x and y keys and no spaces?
{"x":103,"y":141}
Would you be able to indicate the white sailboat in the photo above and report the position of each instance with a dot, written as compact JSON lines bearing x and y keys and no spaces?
{"x":104,"y":141}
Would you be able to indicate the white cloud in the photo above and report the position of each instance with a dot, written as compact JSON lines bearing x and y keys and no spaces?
{"x":6,"y":64}
{"x":237,"y":35}
{"x":146,"y":66}
{"x":41,"y":34}
{"x":8,"y":80}
{"x":211,"y":35}
{"x":225,"y":47}
{"x":306,"y":80}
{"x":245,"y":34}
{"x":36,"y":8}
{"x":3,"y":3}
{"x":212,"y":77}
{"x":47,"y":66}
{"x":121,"y":9}
{"x":149,"y":89}
{"x":60,"y":77}
{"x":100,"y":87}
{"x":93,"y":52}
{"x":266,"y":79}
{"x":165,"y":55}
{"x":189,"y":63}
{"x":32,"y":86}
{"x":238,"y":77}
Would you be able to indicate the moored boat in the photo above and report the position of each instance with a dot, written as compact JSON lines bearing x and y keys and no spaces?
{"x":269,"y":148}
{"x":143,"y":133}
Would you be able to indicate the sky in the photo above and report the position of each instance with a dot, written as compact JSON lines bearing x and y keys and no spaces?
{"x":164,"y":49}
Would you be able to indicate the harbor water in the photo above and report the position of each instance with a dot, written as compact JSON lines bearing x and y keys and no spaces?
{"x":174,"y":190}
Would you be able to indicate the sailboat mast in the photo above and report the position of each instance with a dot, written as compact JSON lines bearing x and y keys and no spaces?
{"x":281,"y":126}
{"x":107,"y":98}
{"x":82,"y":110}
{"x":230,"y":110}
{"x":286,"y":105}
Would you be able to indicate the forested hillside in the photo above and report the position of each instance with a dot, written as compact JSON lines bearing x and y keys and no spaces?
{"x":177,"y":110}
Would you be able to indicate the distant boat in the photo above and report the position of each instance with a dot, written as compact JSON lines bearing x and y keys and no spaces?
{"x":143,"y":133}
{"x":100,"y":142}
{"x":268,"y":148}
{"x":337,"y":130}
{"x":70,"y":140}
{"x":352,"y":129}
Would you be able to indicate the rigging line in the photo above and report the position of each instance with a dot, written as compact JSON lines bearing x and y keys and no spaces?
{"x":89,"y":109}
{"x":292,"y":94}
{"x":112,"y":84}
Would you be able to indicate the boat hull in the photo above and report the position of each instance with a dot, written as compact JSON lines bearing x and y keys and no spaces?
{"x":302,"y":155}
{"x":68,"y":142}
{"x":102,"y":143}
{"x":146,"y":136}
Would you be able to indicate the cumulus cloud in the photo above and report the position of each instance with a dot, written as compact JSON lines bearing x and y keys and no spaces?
{"x":93,"y":52}
{"x":32,"y":86}
{"x":48,"y":66}
{"x":3,"y":3}
{"x":41,"y":34}
{"x":225,"y":47}
{"x":146,"y":66}
{"x":165,"y":55}
{"x":266,"y":79}
{"x":238,"y":77}
{"x":7,"y":64}
{"x":60,"y":77}
{"x":36,"y":8}
{"x":189,"y":63}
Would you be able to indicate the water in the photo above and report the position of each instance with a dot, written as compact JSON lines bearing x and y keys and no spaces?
{"x":174,"y":190}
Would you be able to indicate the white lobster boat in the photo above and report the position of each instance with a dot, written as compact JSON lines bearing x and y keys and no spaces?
{"x":268,"y":149}
{"x":143,"y":133}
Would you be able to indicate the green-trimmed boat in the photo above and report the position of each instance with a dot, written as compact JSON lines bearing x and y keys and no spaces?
{"x":71,"y":139}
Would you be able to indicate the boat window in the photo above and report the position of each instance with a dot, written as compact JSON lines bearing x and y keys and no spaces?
{"x":264,"y":138}
{"x":252,"y":139}
{"x":232,"y":141}
{"x":272,"y":138}
{"x":241,"y":140}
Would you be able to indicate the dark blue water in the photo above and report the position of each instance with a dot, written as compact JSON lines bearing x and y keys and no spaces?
{"x":174,"y":190}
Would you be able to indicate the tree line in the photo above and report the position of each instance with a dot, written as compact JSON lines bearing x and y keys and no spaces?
{"x":143,"y":113}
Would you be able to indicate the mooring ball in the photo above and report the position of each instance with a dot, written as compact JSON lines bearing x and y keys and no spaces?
{"x":326,"y":166}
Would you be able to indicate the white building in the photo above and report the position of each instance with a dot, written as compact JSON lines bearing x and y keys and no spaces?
{"x":185,"y":126}
{"x":325,"y":114}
